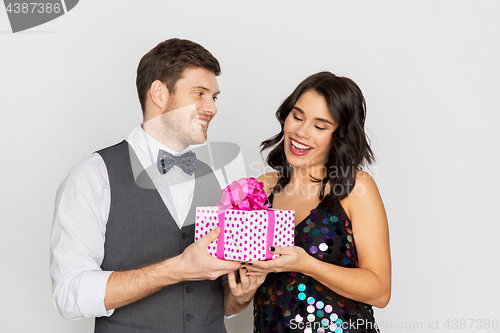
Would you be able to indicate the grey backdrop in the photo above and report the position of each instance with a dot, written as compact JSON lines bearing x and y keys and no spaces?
{"x":431,"y":77}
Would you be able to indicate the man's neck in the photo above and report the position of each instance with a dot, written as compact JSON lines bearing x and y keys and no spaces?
{"x":162,"y":137}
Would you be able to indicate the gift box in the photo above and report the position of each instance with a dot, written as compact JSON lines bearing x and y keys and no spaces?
{"x":248,"y":226}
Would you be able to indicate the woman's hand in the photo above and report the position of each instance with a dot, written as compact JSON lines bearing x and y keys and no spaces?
{"x":291,"y":259}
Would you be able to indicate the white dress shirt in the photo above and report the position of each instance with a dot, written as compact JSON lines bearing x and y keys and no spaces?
{"x":79,"y":228}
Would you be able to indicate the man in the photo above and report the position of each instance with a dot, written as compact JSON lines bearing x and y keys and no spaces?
{"x":122,"y":240}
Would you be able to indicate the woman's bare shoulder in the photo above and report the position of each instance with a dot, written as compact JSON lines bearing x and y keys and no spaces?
{"x":269,"y":179}
{"x":364,"y":189}
{"x":363,"y":178}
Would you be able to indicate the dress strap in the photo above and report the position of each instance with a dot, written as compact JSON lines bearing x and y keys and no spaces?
{"x":270,"y":198}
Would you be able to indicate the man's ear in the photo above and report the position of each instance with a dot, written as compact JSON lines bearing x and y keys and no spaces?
{"x":159,"y":94}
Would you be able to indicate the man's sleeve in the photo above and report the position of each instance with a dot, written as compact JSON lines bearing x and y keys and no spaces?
{"x":77,"y":241}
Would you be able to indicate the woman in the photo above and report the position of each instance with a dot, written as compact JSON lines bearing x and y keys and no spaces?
{"x":340,"y":265}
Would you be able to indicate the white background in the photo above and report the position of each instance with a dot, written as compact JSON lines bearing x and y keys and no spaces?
{"x":430,"y":72}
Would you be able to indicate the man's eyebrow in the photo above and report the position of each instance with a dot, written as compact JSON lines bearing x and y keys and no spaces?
{"x":320,"y":119}
{"x":204,"y":89}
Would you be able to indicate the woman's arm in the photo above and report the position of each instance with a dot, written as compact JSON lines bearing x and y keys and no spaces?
{"x":370,"y":282}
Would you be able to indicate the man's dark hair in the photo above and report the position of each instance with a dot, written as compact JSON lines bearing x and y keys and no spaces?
{"x":167,"y":62}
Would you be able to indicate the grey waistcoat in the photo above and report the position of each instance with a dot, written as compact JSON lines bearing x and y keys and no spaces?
{"x":141,"y":231}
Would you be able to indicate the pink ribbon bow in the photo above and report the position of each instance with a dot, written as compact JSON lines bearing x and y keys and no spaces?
{"x":244,"y":194}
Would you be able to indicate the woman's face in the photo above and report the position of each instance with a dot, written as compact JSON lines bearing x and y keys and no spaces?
{"x":308,"y":131}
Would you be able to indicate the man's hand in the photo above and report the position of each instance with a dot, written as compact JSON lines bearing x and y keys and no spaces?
{"x":237,"y":295}
{"x":196,"y":263}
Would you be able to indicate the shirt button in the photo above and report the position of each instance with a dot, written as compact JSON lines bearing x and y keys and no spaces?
{"x":189,"y":289}
{"x":189,"y":316}
{"x":184,"y":235}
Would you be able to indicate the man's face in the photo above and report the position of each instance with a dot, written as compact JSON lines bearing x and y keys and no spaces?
{"x":192,"y":106}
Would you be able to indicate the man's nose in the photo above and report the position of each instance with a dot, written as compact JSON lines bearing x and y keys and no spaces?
{"x":210,"y":108}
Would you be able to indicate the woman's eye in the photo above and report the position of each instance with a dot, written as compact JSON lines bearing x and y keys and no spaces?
{"x":296,"y":118}
{"x":215,"y":98}
{"x":320,"y":128}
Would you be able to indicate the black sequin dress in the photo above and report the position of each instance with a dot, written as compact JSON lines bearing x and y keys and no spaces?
{"x":294,"y":302}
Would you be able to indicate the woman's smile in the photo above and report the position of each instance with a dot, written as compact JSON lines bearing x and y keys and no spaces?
{"x":298,"y":148}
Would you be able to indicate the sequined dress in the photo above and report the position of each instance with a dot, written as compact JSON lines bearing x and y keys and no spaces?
{"x":294,"y":302}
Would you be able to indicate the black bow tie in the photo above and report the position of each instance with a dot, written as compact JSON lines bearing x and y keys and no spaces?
{"x":187,"y":162}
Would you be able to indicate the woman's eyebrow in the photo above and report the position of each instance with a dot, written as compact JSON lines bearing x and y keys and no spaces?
{"x":320,"y":119}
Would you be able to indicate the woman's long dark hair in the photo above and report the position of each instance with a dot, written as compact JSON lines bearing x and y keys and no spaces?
{"x":350,"y":147}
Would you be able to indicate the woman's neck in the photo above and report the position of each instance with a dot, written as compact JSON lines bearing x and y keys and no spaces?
{"x":301,"y":179}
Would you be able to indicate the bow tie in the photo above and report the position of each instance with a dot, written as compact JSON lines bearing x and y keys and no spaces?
{"x":187,"y":162}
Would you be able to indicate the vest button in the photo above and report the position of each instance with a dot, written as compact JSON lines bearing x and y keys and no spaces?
{"x":184,"y":235}
{"x":189,"y":289}
{"x":189,"y":316}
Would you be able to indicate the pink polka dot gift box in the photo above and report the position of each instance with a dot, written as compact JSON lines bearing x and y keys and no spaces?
{"x":248,"y":226}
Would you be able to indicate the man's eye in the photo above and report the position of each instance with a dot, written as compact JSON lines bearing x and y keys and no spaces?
{"x":199,"y":93}
{"x":215,"y":98}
